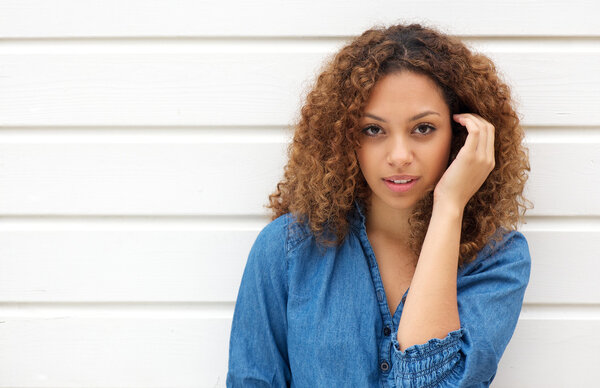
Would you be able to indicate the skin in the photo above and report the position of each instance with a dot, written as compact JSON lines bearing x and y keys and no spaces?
{"x":401,"y":146}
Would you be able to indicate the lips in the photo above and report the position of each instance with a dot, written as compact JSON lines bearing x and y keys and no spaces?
{"x":400,"y":183}
{"x":401,"y":178}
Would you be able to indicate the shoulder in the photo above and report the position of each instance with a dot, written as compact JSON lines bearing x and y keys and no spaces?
{"x":513,"y":243}
{"x":280,"y":236}
{"x":509,"y":254}
{"x":268,"y":263}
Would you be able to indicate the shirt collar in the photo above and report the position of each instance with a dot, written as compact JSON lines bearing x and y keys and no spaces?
{"x":357,"y":216}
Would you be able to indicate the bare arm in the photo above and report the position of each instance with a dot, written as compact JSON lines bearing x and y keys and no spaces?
{"x":431,"y":309}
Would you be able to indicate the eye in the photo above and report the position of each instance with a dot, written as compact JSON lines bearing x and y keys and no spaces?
{"x":371,"y":130}
{"x":424,"y":129}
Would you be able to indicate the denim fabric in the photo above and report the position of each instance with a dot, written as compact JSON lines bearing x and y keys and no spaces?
{"x":308,"y":317}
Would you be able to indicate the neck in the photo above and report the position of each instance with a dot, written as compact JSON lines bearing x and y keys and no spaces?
{"x":388,"y":223}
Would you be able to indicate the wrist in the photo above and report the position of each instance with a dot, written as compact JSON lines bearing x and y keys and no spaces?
{"x":448,"y":209}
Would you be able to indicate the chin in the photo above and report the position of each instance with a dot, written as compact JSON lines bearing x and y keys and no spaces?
{"x":401,"y":205}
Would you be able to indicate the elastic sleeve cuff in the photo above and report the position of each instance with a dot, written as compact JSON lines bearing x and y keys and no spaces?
{"x":429,"y":363}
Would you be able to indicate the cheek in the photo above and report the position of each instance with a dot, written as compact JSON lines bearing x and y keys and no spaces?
{"x":362,"y":156}
{"x":435,"y":155}
{"x":442,"y":156}
{"x":366,"y":163}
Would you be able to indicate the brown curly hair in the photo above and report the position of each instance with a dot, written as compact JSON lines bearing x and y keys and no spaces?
{"x":322,"y":178}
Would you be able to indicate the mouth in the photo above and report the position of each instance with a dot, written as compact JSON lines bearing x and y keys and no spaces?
{"x":400,"y":184}
{"x":399,"y":181}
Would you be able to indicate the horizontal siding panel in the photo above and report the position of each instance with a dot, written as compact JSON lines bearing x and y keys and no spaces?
{"x":130,"y":179}
{"x":183,"y":18}
{"x":113,"y":352}
{"x":124,"y":266}
{"x":551,"y":353}
{"x":550,"y":165}
{"x":564,"y":266}
{"x":66,"y":351}
{"x":182,"y":265}
{"x":223,"y":178}
{"x":262,"y":87}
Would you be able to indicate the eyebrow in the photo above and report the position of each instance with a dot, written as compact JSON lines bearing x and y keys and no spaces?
{"x":415,"y":117}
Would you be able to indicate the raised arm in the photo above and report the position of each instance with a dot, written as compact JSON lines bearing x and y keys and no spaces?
{"x":490,"y":291}
{"x":431,"y":309}
{"x":456,"y":323}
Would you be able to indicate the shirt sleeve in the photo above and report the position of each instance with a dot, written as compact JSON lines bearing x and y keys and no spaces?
{"x":490,"y":296}
{"x":257,"y":346}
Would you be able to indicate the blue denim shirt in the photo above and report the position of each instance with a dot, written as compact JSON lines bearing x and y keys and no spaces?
{"x":305,"y":317}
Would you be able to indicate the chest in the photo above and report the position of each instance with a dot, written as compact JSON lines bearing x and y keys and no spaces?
{"x":396,"y":268}
{"x":334,"y":317}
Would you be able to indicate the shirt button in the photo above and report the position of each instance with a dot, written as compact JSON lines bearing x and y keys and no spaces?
{"x":384,"y":366}
{"x":387,"y":331}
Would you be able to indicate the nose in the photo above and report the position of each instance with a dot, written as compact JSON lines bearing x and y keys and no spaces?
{"x":399,"y":152}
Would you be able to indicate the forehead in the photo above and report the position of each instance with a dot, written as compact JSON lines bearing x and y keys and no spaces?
{"x":406,"y":90}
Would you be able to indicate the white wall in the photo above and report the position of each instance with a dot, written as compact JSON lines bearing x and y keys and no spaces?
{"x":139,"y":141}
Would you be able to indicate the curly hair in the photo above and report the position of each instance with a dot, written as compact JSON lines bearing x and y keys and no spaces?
{"x":323,"y":179}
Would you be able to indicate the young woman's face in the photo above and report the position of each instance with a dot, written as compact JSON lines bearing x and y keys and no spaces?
{"x":406,"y":136}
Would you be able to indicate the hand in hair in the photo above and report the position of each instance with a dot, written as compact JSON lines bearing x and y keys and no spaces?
{"x":472,"y":164}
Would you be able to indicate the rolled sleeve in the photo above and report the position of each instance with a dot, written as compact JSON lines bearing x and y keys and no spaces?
{"x":490,"y":296}
{"x":425,"y":365}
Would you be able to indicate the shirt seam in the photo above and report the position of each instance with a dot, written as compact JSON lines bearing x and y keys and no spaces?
{"x":287,"y":257}
{"x":292,"y":245}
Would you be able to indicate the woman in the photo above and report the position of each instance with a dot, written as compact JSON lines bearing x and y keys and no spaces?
{"x":393,"y":257}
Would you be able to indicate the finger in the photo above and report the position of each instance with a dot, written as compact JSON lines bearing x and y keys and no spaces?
{"x":473,"y":132}
{"x":487,"y":134}
{"x":489,"y":130}
{"x":479,"y":121}
{"x":483,"y":139}
{"x":490,"y":142}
